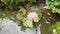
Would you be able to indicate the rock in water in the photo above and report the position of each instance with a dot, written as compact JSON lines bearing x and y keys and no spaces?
{"x":10,"y":27}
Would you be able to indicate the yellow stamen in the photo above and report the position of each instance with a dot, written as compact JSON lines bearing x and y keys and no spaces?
{"x":32,"y":16}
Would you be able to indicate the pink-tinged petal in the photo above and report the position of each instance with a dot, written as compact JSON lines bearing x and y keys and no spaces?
{"x":32,"y":16}
{"x":29,"y":19}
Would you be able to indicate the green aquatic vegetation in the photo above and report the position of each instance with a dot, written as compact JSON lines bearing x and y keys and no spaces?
{"x":53,"y":5}
{"x":23,"y":1}
{"x":20,"y":1}
{"x":21,"y":15}
{"x":32,"y":0}
{"x":8,"y":14}
{"x":14,"y":3}
{"x":24,"y":17}
{"x":56,"y":26}
{"x":37,"y":11}
{"x":8,"y":3}
{"x":27,"y":23}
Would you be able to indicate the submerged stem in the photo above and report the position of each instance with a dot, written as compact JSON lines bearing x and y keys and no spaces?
{"x":36,"y":30}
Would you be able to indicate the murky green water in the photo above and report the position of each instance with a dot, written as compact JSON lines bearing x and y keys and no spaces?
{"x":45,"y":28}
{"x":7,"y":13}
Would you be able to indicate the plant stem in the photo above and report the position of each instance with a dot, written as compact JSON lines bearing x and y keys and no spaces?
{"x":36,"y":30}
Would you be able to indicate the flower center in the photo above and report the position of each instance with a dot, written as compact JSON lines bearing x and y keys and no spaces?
{"x":32,"y":16}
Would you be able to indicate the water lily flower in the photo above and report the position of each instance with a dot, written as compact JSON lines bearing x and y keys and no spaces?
{"x":32,"y":16}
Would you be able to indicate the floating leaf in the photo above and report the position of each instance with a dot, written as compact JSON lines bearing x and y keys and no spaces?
{"x":57,"y":27}
{"x":21,"y":14}
{"x":27,"y":23}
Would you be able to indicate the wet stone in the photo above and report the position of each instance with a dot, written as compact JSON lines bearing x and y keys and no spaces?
{"x":11,"y":27}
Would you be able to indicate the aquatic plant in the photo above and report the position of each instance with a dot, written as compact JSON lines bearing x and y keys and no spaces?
{"x":53,"y":5}
{"x":30,"y":18}
{"x":56,"y":28}
{"x":14,"y":3}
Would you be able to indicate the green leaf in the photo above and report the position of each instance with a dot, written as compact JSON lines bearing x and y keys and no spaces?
{"x":37,"y":19}
{"x":47,"y":7}
{"x":58,"y":31}
{"x":20,"y":1}
{"x":32,"y":0}
{"x":21,"y":11}
{"x":54,"y":6}
{"x":8,"y":3}
{"x":27,"y":23}
{"x":57,"y":27}
{"x":57,"y":0}
{"x":19,"y":17}
{"x":56,"y":3}
{"x":47,"y":2}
